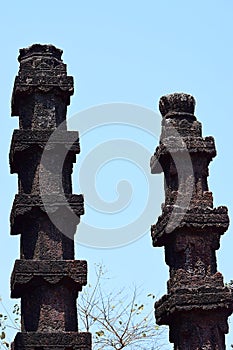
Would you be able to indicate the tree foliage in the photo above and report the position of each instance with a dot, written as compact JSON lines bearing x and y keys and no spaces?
{"x":8,"y":320}
{"x":117,"y":319}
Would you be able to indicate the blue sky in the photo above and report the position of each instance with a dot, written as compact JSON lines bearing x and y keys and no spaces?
{"x":131,"y":52}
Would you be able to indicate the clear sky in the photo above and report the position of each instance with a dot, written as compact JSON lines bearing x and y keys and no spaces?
{"x":131,"y":52}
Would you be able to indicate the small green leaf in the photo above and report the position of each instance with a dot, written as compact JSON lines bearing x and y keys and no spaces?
{"x":100,"y":333}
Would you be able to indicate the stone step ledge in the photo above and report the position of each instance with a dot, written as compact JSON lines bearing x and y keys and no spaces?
{"x":52,"y":341}
{"x":33,"y":273}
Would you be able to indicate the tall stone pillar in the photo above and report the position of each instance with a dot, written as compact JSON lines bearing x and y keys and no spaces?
{"x":46,"y":278}
{"x":197,"y":304}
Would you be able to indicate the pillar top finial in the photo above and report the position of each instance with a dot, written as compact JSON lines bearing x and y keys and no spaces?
{"x":42,"y":88}
{"x":34,"y":50}
{"x":178,"y":103}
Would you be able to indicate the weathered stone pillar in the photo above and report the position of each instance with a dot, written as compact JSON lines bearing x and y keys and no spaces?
{"x":197,"y":304}
{"x":46,"y":278}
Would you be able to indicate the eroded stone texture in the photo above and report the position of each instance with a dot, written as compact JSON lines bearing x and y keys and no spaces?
{"x":54,"y":341}
{"x":197,"y":304}
{"x":42,"y":88}
{"x":46,"y":278}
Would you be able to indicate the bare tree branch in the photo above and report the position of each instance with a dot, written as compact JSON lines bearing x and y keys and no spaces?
{"x":116,"y":319}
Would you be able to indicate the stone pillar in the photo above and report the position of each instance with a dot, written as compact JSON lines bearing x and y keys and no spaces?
{"x":197,"y":304}
{"x":46,"y":278}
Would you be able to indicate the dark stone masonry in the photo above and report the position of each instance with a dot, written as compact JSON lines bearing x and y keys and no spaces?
{"x":46,"y":278}
{"x":197,"y":304}
{"x":45,"y":214}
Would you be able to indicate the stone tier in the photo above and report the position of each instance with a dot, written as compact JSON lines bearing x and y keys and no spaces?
{"x":52,"y":341}
{"x":41,"y":71}
{"x":188,"y":299}
{"x":194,"y":220}
{"x":31,"y":141}
{"x":27,"y":207}
{"x":200,"y":200}
{"x":26,"y":84}
{"x":201,"y":329}
{"x":175,"y":146}
{"x":33,"y":273}
{"x":181,"y":125}
{"x":187,"y":278}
